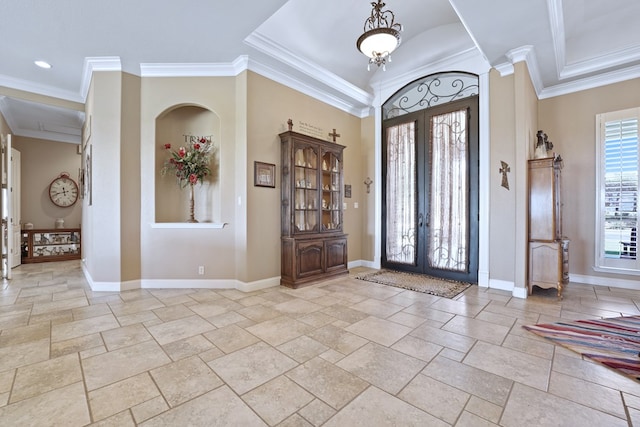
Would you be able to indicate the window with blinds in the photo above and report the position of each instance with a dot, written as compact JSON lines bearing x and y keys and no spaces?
{"x":618,"y":201}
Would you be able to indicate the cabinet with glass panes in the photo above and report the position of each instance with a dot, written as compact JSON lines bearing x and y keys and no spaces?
{"x":314,"y":246}
{"x":50,"y":245}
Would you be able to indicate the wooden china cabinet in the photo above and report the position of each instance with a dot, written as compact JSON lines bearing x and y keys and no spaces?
{"x":548,"y":249}
{"x":314,"y":246}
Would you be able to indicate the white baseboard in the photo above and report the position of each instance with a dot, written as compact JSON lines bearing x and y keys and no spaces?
{"x":483,"y":279}
{"x":361,"y":263}
{"x":179,"y":284}
{"x":604,"y":281}
{"x":520,"y":292}
{"x":503,"y":285}
{"x":506,"y":285}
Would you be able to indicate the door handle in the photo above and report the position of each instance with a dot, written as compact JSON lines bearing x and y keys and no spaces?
{"x":419,"y":220}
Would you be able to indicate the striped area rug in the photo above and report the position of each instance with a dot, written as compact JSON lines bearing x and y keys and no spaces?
{"x":614,"y":342}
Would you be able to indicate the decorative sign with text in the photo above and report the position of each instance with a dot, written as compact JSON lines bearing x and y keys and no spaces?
{"x":311,"y":130}
{"x":192,"y":139}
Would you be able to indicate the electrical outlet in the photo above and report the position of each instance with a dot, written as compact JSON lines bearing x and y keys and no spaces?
{"x":201,"y":269}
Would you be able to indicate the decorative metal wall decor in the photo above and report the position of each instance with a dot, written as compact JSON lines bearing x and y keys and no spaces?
{"x":430,"y":91}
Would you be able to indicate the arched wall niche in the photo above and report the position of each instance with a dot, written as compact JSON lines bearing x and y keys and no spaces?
{"x":180,"y":126}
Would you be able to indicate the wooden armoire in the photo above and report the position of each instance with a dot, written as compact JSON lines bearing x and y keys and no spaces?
{"x":548,"y":248}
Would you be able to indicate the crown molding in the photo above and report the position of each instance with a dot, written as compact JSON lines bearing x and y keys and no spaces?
{"x":602,"y":62}
{"x":98,"y":63}
{"x":240,"y":64}
{"x":591,"y":82}
{"x":505,"y":68}
{"x":314,"y":92}
{"x":46,"y":90}
{"x":313,"y":70}
{"x":558,"y":35}
{"x":528,"y":55}
{"x":188,"y":70}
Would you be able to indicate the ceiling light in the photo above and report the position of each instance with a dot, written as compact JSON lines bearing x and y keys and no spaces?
{"x":381,"y":35}
{"x":42,"y":64}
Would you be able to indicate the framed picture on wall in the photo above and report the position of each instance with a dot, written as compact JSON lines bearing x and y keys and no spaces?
{"x":87,"y":171}
{"x":264,"y":174}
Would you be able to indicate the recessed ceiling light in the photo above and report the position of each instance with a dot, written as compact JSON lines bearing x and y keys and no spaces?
{"x":42,"y":64}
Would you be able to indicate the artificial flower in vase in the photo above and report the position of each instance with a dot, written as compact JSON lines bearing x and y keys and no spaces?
{"x":190,"y":166}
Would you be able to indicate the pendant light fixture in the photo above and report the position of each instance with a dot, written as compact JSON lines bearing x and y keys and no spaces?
{"x":381,"y":35}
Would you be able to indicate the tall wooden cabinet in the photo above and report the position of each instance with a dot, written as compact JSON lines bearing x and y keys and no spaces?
{"x":548,"y":248}
{"x":314,"y":246}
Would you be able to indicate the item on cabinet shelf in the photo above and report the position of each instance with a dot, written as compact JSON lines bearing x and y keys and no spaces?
{"x":543,"y":146}
{"x":63,"y":191}
{"x":314,"y":246}
{"x":59,"y":223}
{"x":28,"y":226}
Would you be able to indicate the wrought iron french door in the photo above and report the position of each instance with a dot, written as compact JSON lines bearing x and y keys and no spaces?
{"x":430,"y":191}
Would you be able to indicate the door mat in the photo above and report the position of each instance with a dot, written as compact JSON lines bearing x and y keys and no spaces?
{"x":614,"y":342}
{"x":416,"y":282}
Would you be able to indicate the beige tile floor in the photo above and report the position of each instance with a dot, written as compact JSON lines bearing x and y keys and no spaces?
{"x":341,"y":353}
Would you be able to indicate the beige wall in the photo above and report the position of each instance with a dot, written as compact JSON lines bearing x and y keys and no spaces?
{"x":101,"y":221}
{"x":41,"y":162}
{"x":569,"y":121}
{"x":367,"y":200}
{"x":502,"y":219}
{"x":4,"y":127}
{"x":269,"y":107}
{"x":176,"y":253}
{"x":130,"y":178}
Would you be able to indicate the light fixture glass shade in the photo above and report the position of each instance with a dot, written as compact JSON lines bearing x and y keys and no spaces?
{"x":381,"y":35}
{"x":378,"y":42}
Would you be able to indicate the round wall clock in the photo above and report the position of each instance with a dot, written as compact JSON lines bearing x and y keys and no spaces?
{"x":63,"y":191}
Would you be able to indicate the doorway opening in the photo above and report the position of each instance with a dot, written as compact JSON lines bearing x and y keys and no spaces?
{"x":430,"y":167}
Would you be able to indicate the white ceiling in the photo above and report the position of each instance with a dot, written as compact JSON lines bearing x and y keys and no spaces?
{"x":569,"y":45}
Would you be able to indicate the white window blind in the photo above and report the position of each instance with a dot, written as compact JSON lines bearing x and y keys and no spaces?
{"x":618,"y":201}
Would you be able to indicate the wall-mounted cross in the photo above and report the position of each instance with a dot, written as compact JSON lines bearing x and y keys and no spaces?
{"x":334,"y":135}
{"x":368,"y":183}
{"x":504,"y":170}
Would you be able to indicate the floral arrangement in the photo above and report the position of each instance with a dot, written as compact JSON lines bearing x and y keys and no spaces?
{"x":191,"y":165}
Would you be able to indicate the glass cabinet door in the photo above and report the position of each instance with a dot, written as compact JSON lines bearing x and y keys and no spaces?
{"x":331,"y":192}
{"x":306,"y":190}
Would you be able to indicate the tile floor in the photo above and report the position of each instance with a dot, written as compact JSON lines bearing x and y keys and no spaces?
{"x":341,"y":353}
